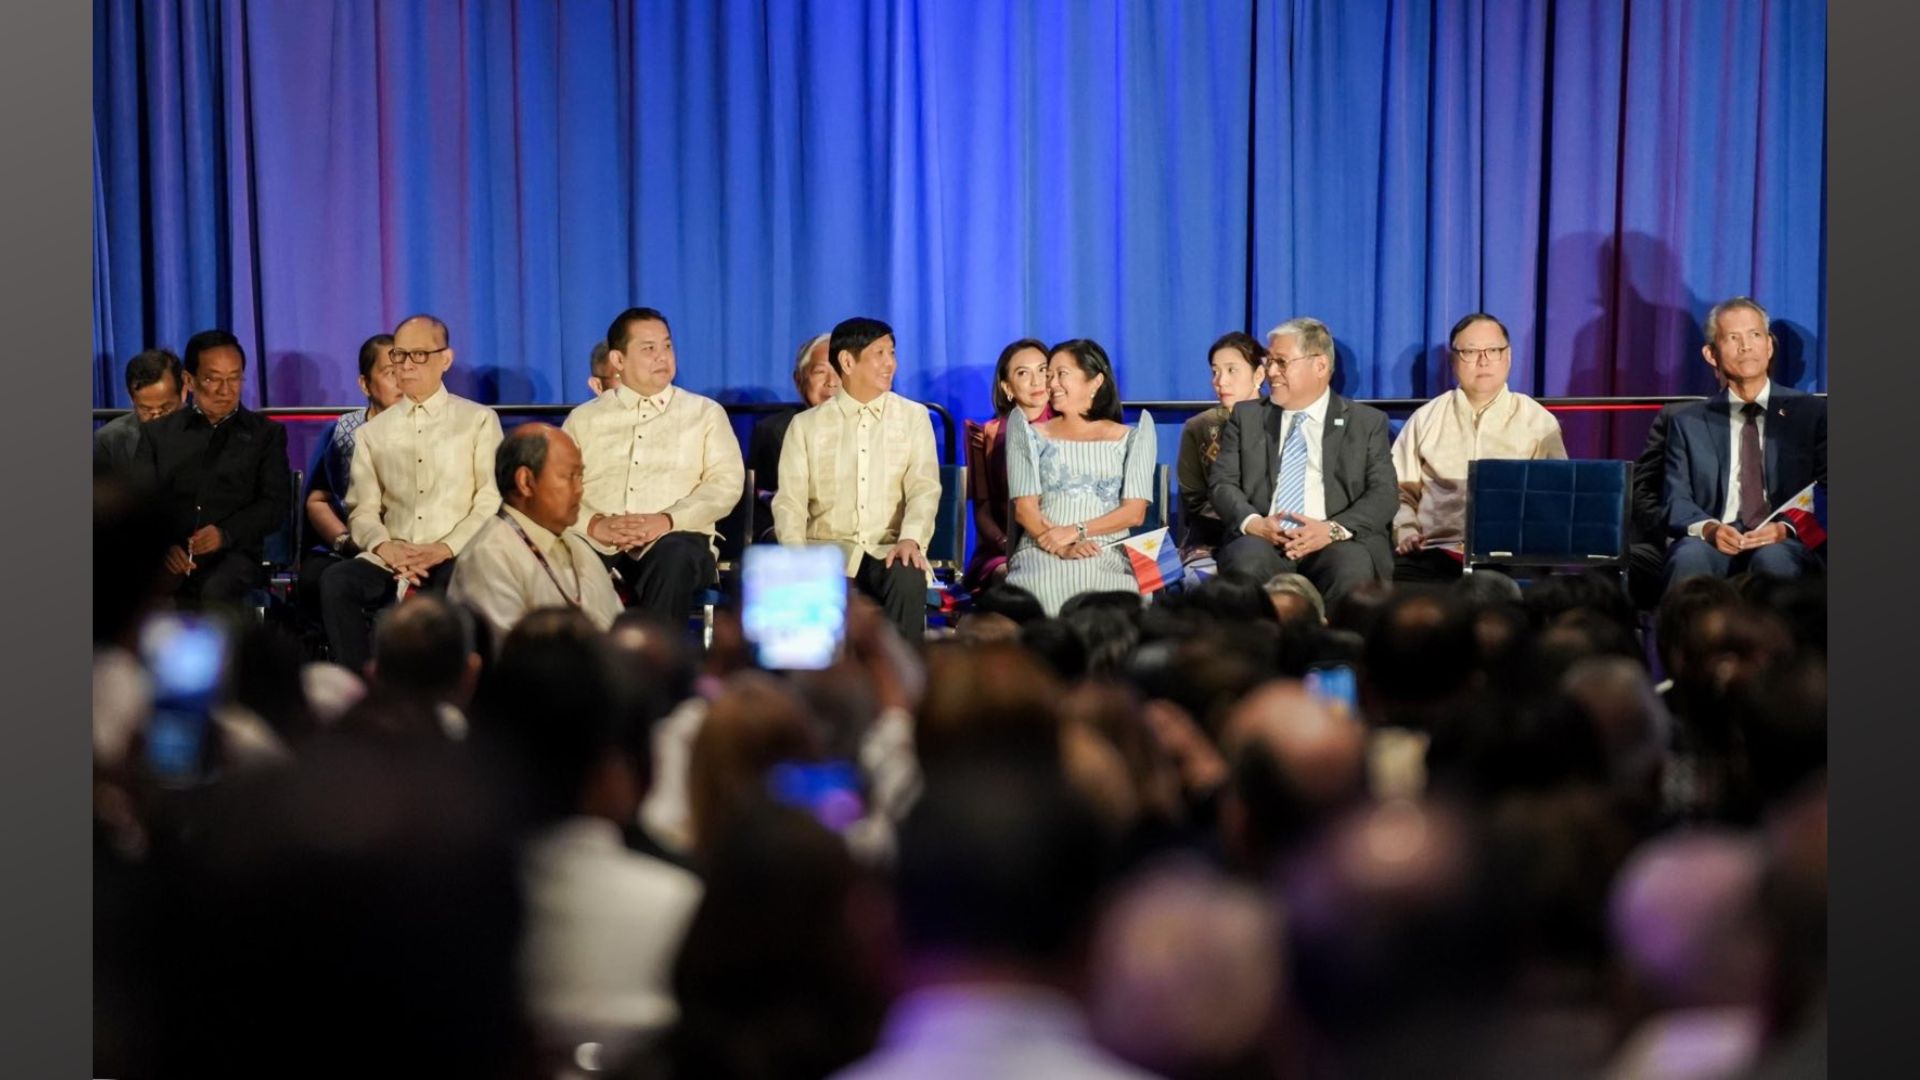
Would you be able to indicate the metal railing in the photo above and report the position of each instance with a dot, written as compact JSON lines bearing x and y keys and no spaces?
{"x":1552,"y":404}
{"x":949,"y":428}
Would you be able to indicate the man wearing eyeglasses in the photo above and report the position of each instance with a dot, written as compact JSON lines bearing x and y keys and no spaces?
{"x":222,"y":470}
{"x":1479,"y":418}
{"x":1304,"y":480}
{"x":419,"y":487}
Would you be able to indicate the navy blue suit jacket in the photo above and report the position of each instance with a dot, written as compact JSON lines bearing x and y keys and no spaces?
{"x":1699,"y":461}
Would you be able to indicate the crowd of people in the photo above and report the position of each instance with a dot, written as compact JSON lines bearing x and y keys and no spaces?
{"x":1333,"y":809}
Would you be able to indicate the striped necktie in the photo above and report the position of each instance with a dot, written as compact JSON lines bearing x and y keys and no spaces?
{"x":1290,"y":492}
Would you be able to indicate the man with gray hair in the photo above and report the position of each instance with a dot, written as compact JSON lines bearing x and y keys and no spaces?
{"x":1733,"y":459}
{"x":1304,"y":480}
{"x":529,"y":555}
{"x":1295,"y":599}
{"x":816,"y":381}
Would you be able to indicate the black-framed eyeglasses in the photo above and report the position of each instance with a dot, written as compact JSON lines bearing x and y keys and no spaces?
{"x":1481,"y":356}
{"x":413,"y":356}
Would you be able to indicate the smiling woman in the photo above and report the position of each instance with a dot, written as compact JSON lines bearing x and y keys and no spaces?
{"x":1019,"y":382}
{"x":1079,"y":482}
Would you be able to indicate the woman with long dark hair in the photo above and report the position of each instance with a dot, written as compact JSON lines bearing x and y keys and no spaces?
{"x":1019,"y":382}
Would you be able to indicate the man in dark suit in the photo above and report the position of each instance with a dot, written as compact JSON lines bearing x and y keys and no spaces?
{"x":157,"y":387}
{"x":1732,"y":459}
{"x":223,"y":473}
{"x":1305,"y":480}
{"x":1647,"y":539}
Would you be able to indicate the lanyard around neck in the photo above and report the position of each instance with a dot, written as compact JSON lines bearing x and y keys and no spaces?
{"x":579,"y":584}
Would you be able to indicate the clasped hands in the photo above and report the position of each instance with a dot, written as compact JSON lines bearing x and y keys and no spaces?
{"x":205,"y":541}
{"x":410,"y":562}
{"x":628,"y":531}
{"x":1729,"y":540}
{"x":1063,"y":542}
{"x":1296,"y":535}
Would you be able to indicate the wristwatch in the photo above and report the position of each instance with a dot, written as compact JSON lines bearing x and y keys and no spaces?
{"x":1082,"y":528}
{"x":340,"y":543}
{"x":1338,"y":531}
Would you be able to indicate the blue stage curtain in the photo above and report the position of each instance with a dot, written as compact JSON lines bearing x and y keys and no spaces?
{"x":1150,"y":174}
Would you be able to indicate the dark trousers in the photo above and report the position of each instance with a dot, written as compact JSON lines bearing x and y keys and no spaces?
{"x":900,"y":590}
{"x":1691,"y":556}
{"x":306,"y":587}
{"x":352,"y":591}
{"x":1426,"y":566}
{"x":1646,"y":573}
{"x":220,"y":581}
{"x":1333,"y":569}
{"x":669,"y":576}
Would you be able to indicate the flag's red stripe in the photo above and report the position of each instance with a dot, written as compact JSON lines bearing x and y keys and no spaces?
{"x":1806,"y":526}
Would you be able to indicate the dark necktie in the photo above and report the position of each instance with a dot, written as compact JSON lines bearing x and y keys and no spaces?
{"x":1753,"y":477}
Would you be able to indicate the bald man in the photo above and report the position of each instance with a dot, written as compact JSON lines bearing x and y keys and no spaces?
{"x":420,"y":487}
{"x":528,"y":556}
{"x":1295,"y":762}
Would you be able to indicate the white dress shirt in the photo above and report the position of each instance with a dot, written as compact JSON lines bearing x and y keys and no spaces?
{"x":667,"y":812}
{"x":1315,"y":417}
{"x":983,"y":1030}
{"x":423,"y":473}
{"x":1736,"y":424}
{"x":604,"y":924}
{"x":861,"y":477}
{"x":673,"y":453}
{"x":499,"y":577}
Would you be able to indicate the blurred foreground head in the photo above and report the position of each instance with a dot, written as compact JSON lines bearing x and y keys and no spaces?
{"x":780,"y":972}
{"x":1393,"y":931}
{"x":1295,"y":763}
{"x":1186,"y":972}
{"x":354,"y":914}
{"x":1000,"y":869}
{"x":1686,"y":921}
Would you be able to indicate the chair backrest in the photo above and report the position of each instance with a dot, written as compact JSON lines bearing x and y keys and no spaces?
{"x":736,"y":529}
{"x":948,"y":548}
{"x":1547,"y":513}
{"x":1159,"y":507}
{"x":282,"y":546}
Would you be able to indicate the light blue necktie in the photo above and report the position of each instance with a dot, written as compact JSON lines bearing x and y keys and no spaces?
{"x":1290,"y":492}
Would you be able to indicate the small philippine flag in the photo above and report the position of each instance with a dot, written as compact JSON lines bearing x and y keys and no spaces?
{"x":1154,"y":558}
{"x":1807,"y":513}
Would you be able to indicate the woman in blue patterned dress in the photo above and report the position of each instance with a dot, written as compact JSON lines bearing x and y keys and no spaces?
{"x":1079,"y":481}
